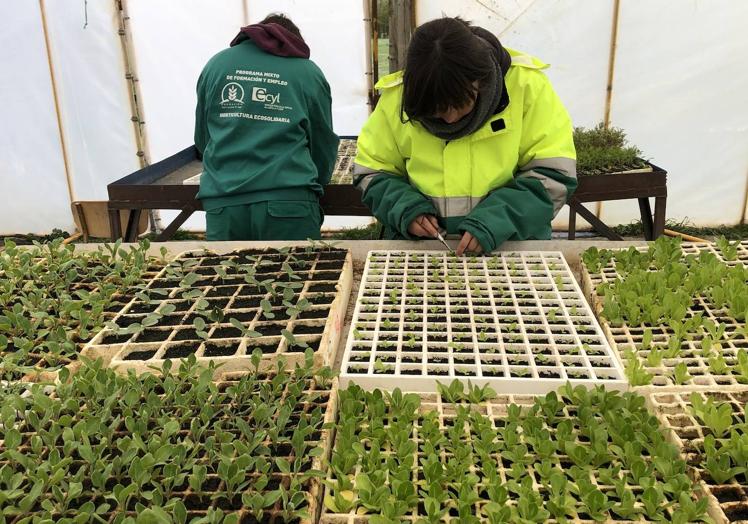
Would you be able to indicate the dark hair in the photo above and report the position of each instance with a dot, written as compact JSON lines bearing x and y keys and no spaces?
{"x":283,"y":21}
{"x":444,"y":59}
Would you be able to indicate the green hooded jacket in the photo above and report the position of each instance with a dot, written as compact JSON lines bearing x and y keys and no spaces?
{"x":264,"y":126}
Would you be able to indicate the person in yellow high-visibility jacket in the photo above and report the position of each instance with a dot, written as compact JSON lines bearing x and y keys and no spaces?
{"x":471,"y":138}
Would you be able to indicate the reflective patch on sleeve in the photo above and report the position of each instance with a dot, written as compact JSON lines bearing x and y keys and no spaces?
{"x":556,"y":190}
{"x":565,"y":166}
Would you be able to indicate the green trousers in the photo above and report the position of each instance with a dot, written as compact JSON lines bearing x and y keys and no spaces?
{"x":270,"y":220}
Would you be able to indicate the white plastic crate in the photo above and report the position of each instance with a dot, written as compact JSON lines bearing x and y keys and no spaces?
{"x":517,"y":321}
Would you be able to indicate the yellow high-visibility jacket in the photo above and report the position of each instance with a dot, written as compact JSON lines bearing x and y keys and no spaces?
{"x":507,"y":180}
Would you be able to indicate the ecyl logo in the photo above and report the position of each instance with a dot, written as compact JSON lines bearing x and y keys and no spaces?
{"x":259,"y":94}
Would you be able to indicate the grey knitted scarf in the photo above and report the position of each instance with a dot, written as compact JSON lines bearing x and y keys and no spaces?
{"x":489,"y":95}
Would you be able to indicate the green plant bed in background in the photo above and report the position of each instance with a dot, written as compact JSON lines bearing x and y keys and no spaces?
{"x":173,"y":447}
{"x":465,"y":457}
{"x":736,"y":232}
{"x":53,"y":300}
{"x":601,"y":151}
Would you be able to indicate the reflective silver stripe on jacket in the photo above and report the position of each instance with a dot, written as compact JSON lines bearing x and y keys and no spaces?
{"x":565,"y":166}
{"x":458,"y":206}
{"x":362,"y":176}
{"x":556,"y":190}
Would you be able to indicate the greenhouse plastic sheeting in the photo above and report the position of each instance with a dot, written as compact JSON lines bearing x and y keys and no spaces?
{"x":93,"y":93}
{"x":678,"y":89}
{"x":679,"y":85}
{"x":682,"y":96}
{"x":32,"y":173}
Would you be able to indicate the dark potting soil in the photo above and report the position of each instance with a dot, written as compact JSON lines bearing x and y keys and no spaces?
{"x":114,"y":307}
{"x":245,"y":302}
{"x":154,"y":335}
{"x":113,"y":338}
{"x":186,"y":334}
{"x":300,"y":329}
{"x":269,"y":330}
{"x":196,"y":502}
{"x":182,"y":305}
{"x":227,"y":332}
{"x":359,"y":358}
{"x":264,"y":348}
{"x":219,"y":303}
{"x":181,"y":351}
{"x":127,"y":320}
{"x":139,"y":355}
{"x":333,"y":254}
{"x":332,"y":265}
{"x":163,"y":283}
{"x":142,"y":307}
{"x":230,"y":505}
{"x":326,"y":275}
{"x":547,"y":374}
{"x":410,"y":372}
{"x":217,"y":350}
{"x":493,"y":372}
{"x":268,"y":268}
{"x":728,"y":494}
{"x":313,"y":344}
{"x":314,"y":313}
{"x":737,"y":514}
{"x":322,"y":288}
{"x":280,"y":314}
{"x":222,"y":291}
{"x":438,"y":372}
{"x":322,"y":299}
{"x":169,"y":320}
{"x":357,"y":370}
{"x":189,"y":319}
{"x":245,"y":316}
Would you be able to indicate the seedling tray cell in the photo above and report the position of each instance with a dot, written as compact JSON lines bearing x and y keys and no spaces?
{"x":186,"y":415}
{"x":516,"y":321}
{"x":453,"y":450}
{"x":686,"y":428}
{"x":224,"y":307}
{"x":706,"y":369}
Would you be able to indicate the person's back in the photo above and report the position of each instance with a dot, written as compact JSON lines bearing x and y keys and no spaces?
{"x":264,"y":128}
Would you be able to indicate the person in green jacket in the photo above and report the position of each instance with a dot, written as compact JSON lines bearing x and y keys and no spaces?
{"x":263,"y":125}
{"x":470,"y":138}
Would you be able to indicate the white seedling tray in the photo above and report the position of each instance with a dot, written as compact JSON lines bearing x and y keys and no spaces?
{"x":516,"y":321}
{"x":626,"y":337}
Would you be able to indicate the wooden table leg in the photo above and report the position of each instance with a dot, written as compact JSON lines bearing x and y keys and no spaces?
{"x":180,"y":219}
{"x":595,"y":222}
{"x":658,"y":227}
{"x":646,"y":213}
{"x":115,"y":225}
{"x":133,"y":220}
{"x":572,"y":235}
